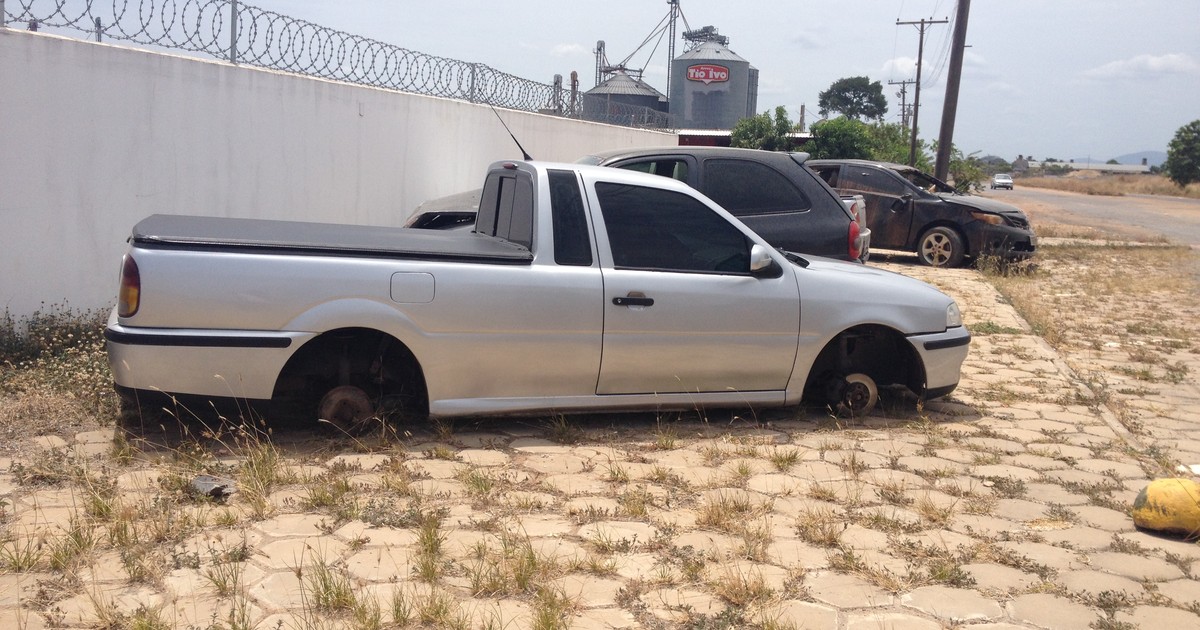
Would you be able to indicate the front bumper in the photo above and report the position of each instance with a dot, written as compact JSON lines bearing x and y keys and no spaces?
{"x":1005,"y":241}
{"x":218,"y":363}
{"x":942,"y":354}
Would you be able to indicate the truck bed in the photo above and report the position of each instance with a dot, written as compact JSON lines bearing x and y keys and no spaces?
{"x":165,"y":231}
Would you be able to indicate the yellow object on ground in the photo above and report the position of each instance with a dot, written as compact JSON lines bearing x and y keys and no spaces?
{"x":1169,"y":505}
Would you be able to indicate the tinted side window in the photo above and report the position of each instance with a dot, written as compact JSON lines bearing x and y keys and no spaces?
{"x":870,"y":179}
{"x":675,"y":169}
{"x":829,"y":174}
{"x":662,"y":230}
{"x":506,"y":208}
{"x":743,"y":187}
{"x":571,"y":243}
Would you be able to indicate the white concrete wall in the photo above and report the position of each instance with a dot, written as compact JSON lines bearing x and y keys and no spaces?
{"x":94,"y":137}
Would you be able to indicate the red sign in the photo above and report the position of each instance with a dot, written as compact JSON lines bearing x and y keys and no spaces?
{"x":708,"y":73}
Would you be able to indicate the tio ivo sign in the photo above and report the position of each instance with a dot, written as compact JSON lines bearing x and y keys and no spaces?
{"x":708,"y":73}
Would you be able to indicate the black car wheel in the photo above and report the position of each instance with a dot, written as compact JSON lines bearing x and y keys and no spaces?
{"x":941,"y":247}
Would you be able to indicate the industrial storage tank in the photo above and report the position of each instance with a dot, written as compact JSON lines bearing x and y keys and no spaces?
{"x":623,"y":99}
{"x":711,"y":86}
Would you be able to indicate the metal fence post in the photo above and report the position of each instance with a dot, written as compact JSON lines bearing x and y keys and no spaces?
{"x":2,"y":18}
{"x":471,"y":94}
{"x":233,"y":19}
{"x":99,"y":31}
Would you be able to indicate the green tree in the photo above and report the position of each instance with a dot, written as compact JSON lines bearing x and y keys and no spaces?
{"x":761,"y":132}
{"x":840,"y":138}
{"x":890,"y":143}
{"x":1183,"y":155}
{"x":854,"y":97}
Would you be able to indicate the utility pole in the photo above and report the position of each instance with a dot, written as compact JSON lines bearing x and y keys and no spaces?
{"x":921,"y":25}
{"x":903,"y":94}
{"x":950,"y":109}
{"x":800,"y":126}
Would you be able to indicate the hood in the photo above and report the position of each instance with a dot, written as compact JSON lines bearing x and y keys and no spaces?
{"x":832,"y":290}
{"x":982,"y":203}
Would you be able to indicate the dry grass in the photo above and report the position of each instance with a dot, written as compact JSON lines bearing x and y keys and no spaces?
{"x":1113,"y":185}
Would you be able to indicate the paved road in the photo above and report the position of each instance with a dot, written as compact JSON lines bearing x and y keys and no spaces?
{"x":1176,"y":218}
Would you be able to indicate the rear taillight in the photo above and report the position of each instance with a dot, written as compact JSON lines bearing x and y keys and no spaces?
{"x":130,"y":294}
{"x":855,"y":245}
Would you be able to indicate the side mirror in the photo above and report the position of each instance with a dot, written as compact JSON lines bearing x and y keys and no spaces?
{"x":762,"y":265}
{"x":902,"y":203}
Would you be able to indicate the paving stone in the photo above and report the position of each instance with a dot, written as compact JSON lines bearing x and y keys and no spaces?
{"x":22,"y":618}
{"x":673,"y":604}
{"x":919,"y":465}
{"x":1110,"y":468}
{"x":1096,"y":582}
{"x":953,"y":604}
{"x":635,"y":533}
{"x":845,"y":591}
{"x":982,"y":525}
{"x":798,"y":614}
{"x":1103,"y":518}
{"x":1080,"y":537}
{"x":589,"y":591}
{"x":1056,"y":558}
{"x":1184,"y":592}
{"x":1136,"y":567}
{"x":293,"y":525}
{"x":1005,"y":471}
{"x":575,"y":484}
{"x":604,"y":619}
{"x":1159,"y":617}
{"x":795,"y":554}
{"x":538,"y":525}
{"x":360,"y":461}
{"x":1050,"y":493}
{"x":885,"y":621}
{"x":999,"y":577}
{"x":1035,"y":462}
{"x":777,"y":484}
{"x":1019,"y":510}
{"x":858,"y":537}
{"x":49,"y":442}
{"x":1053,"y":612}
{"x":300,"y":553}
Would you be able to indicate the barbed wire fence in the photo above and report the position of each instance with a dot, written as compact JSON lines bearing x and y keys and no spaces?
{"x":245,"y":34}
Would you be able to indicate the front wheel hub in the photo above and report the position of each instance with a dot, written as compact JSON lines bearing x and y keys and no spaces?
{"x":346,"y":407}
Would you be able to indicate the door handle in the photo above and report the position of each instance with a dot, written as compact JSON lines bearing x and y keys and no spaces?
{"x":633,"y":301}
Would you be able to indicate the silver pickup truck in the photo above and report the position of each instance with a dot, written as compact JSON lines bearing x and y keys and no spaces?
{"x":580,"y":288}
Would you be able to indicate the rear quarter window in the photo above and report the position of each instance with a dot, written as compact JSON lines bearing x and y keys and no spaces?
{"x":747,"y":188}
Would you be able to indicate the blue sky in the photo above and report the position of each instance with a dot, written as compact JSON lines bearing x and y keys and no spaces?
{"x":1048,"y":78}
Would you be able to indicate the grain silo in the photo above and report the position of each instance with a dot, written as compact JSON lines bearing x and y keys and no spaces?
{"x":711,"y":86}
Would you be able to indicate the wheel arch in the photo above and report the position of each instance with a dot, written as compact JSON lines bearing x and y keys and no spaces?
{"x":877,"y":350}
{"x":376,"y":361}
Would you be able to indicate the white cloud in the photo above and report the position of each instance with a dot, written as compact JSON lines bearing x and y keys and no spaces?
{"x":1145,"y":66}
{"x":569,"y":50}
{"x":900,"y":68}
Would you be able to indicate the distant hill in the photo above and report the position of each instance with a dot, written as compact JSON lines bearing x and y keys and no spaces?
{"x":1153,"y":158}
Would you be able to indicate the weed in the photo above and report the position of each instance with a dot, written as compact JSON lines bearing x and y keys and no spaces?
{"x":21,"y":555}
{"x":1008,"y":487}
{"x":635,"y":502}
{"x":820,"y":526}
{"x":551,"y":610}
{"x":740,"y":586}
{"x":665,"y":436}
{"x":784,"y":458}
{"x":560,"y":429}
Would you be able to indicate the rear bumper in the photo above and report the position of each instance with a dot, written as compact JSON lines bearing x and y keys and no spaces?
{"x":942,"y":355}
{"x":224,"y":363}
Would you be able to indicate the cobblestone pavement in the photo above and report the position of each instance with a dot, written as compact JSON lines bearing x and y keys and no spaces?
{"x":1003,"y":506}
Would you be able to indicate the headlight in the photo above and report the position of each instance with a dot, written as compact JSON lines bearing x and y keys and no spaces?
{"x":988,"y":217}
{"x":953,"y":316}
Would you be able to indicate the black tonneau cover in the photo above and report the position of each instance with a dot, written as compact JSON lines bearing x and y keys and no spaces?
{"x":323,"y":239}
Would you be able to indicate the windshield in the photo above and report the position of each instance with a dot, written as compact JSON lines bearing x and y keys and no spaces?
{"x":928,"y":183}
